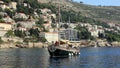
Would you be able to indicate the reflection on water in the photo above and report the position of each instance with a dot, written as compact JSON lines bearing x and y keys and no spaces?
{"x":39,"y":58}
{"x":23,"y":58}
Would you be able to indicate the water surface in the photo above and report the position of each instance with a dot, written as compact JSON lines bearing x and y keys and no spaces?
{"x":39,"y":58}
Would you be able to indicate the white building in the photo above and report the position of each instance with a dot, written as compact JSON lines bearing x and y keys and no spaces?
{"x":3,"y":14}
{"x":26,"y":24}
{"x":20,"y":15}
{"x":94,"y":33}
{"x":69,"y":34}
{"x":50,"y":36}
{"x":4,"y":6}
{"x":8,"y":19}
{"x":45,"y":11}
{"x":13,"y":5}
{"x":4,"y":27}
{"x":47,"y":26}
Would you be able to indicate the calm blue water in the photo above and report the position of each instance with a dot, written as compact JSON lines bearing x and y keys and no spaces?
{"x":39,"y":58}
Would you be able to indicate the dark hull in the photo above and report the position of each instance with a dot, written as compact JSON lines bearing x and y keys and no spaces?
{"x":57,"y":52}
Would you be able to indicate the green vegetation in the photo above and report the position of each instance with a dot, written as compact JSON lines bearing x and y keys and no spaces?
{"x":111,"y":36}
{"x":65,"y":14}
{"x":34,"y":32}
{"x":1,"y":20}
{"x":26,"y":10}
{"x":19,"y":19}
{"x":34,"y":4}
{"x":42,"y":39}
{"x":1,"y":41}
{"x":103,"y":13}
{"x":10,"y":12}
{"x":7,"y":1}
{"x":77,"y":17}
{"x":40,"y":23}
{"x":83,"y":33}
{"x":0,"y":17}
{"x":10,"y":33}
{"x":1,"y":9}
{"x":53,"y":25}
{"x":65,"y":26}
{"x":20,"y":33}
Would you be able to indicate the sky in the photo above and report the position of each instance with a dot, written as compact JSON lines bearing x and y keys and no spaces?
{"x":101,"y":2}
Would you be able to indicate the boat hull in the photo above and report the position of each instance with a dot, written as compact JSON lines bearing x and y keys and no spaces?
{"x":61,"y":53}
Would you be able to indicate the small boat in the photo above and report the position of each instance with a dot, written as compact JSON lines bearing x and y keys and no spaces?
{"x":63,"y":50}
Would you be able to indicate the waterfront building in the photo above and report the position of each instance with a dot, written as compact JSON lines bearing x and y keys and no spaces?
{"x":50,"y":36}
{"x":4,"y":27}
{"x":69,"y":34}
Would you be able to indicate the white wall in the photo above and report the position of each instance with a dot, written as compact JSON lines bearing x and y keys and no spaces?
{"x":4,"y":28}
{"x":50,"y":36}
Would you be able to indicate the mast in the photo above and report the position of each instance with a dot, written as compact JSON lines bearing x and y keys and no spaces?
{"x":59,"y":24}
{"x":69,"y":38}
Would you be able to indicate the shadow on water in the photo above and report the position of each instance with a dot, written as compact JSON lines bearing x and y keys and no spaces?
{"x":63,"y":62}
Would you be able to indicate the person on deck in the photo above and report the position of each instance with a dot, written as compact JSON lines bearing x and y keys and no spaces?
{"x":56,"y":43}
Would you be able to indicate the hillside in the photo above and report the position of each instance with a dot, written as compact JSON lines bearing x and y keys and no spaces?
{"x":32,"y":17}
{"x":103,"y":13}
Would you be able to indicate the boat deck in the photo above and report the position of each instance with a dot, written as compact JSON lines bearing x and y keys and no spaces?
{"x":74,"y":50}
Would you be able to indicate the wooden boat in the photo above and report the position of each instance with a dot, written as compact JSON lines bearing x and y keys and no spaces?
{"x":63,"y":50}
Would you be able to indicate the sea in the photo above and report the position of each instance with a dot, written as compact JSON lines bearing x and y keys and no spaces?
{"x":90,"y":57}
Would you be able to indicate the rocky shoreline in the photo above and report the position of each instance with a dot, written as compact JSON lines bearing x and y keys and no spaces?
{"x":30,"y":45}
{"x":44,"y":45}
{"x":18,"y":43}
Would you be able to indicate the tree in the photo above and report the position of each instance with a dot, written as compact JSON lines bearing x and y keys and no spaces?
{"x":7,"y":1}
{"x":101,"y":35}
{"x":40,"y":23}
{"x":112,"y":36}
{"x":20,"y":33}
{"x":9,"y":12}
{"x":10,"y":33}
{"x":65,"y":26}
{"x":19,"y":19}
{"x":0,"y":17}
{"x":1,"y":41}
{"x":34,"y":32}
{"x":15,"y":0}
{"x":1,"y":9}
{"x":42,"y":39}
{"x":53,"y":25}
{"x":83,"y":33}
{"x":1,"y":20}
{"x":26,"y":10}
